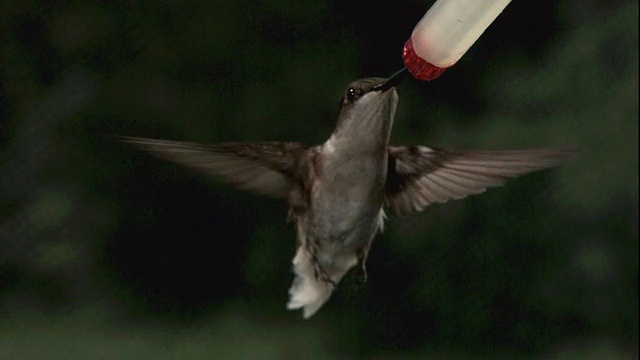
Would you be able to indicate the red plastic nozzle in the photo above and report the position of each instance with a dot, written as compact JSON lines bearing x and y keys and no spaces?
{"x":417,"y":66}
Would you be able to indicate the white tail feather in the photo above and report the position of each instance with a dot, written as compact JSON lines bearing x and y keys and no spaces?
{"x":307,"y":292}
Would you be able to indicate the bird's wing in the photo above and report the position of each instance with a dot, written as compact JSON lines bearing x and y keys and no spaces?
{"x":418,"y":176}
{"x":267,"y":168}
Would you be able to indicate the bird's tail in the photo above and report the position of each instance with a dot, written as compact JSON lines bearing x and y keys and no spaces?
{"x":307,"y":292}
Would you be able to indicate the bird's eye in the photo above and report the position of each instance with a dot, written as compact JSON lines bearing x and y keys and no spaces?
{"x":351,"y":94}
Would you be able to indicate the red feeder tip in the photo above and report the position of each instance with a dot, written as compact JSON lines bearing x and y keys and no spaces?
{"x":417,"y":66}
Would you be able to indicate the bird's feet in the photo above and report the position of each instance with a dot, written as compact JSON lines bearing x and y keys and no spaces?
{"x":322,"y":275}
{"x":360,"y":274}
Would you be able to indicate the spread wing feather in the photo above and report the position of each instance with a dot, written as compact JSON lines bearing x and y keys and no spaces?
{"x":267,"y":168}
{"x":419,"y":176}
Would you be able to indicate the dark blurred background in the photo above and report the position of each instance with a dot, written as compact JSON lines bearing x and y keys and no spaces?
{"x":106,"y":252}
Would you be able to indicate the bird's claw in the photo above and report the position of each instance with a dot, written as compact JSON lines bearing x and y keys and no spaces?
{"x":360,"y":275}
{"x":322,"y":275}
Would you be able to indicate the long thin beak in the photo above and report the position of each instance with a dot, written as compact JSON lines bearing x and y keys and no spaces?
{"x":392,"y":81}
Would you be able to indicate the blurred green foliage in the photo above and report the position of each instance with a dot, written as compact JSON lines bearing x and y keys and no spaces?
{"x":108,"y":253}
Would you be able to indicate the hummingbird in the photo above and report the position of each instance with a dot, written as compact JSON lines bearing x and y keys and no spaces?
{"x":337,"y":191}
